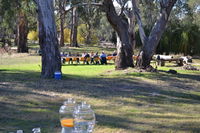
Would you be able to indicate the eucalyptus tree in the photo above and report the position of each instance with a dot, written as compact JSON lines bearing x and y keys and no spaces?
{"x":63,"y":9}
{"x":122,"y":21}
{"x":61,"y":4}
{"x":74,"y":27}
{"x":85,"y":11}
{"x":51,"y":60}
{"x":90,"y":16}
{"x":150,"y":42}
{"x":78,"y":10}
{"x":7,"y":21}
{"x":182,"y":30}
{"x":71,"y":7}
{"x":22,"y":28}
{"x":14,"y":14}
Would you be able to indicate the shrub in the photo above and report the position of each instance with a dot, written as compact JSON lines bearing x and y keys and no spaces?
{"x":67,"y":35}
{"x":33,"y":35}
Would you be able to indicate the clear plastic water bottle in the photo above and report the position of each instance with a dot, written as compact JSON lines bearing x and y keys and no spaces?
{"x":36,"y":130}
{"x":19,"y":131}
{"x":84,"y":118}
{"x":66,"y":115}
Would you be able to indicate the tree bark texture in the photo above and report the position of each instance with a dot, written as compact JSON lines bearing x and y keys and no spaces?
{"x":124,"y":44}
{"x":74,"y":26}
{"x":131,"y":30}
{"x":22,"y":32}
{"x":51,"y":60}
{"x":150,"y":43}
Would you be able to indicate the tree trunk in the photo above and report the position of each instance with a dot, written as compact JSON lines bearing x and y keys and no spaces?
{"x":131,"y":30}
{"x":62,"y":31}
{"x":62,"y":21}
{"x":150,"y":43}
{"x":51,"y":60}
{"x":88,"y":37}
{"x":124,"y":49}
{"x":73,"y":38}
{"x":124,"y":45}
{"x":22,"y":32}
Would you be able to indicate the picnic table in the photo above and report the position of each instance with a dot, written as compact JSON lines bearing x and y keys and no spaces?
{"x":178,"y":61}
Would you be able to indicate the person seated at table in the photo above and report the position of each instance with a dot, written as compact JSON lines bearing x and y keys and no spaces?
{"x":77,"y":58}
{"x":92,"y":57}
{"x":86,"y":57}
{"x":114,"y":53}
{"x":96,"y":58}
{"x":70,"y":60}
{"x":83,"y":54}
{"x":66,"y":54}
{"x":103,"y":58}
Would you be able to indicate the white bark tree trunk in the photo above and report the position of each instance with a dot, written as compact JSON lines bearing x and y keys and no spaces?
{"x":150,"y":43}
{"x":124,"y":43}
{"x":51,"y":60}
{"x":73,"y":37}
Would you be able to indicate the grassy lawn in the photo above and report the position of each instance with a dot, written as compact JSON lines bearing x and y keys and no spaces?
{"x":124,"y":101}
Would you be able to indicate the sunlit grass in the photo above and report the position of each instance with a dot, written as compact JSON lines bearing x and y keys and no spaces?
{"x":86,"y":70}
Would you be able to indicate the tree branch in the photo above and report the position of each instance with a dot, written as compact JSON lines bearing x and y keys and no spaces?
{"x":111,"y":14}
{"x":122,"y":10}
{"x":160,"y":24}
{"x":80,"y":4}
{"x":139,"y":21}
{"x":83,"y":4}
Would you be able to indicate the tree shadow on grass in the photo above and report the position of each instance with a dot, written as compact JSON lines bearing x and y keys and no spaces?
{"x":22,"y":117}
{"x":17,"y":75}
{"x":18,"y":86}
{"x":184,"y":76}
{"x":180,"y":81}
{"x":163,"y":75}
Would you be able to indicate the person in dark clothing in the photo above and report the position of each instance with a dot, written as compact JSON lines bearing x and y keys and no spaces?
{"x":86,"y":58}
{"x":158,"y":60}
{"x":77,"y":58}
{"x":103,"y":58}
{"x":96,"y":58}
{"x":92,"y":58}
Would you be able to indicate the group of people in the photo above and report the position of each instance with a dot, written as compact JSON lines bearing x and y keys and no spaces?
{"x":91,"y":58}
{"x":94,"y":58}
